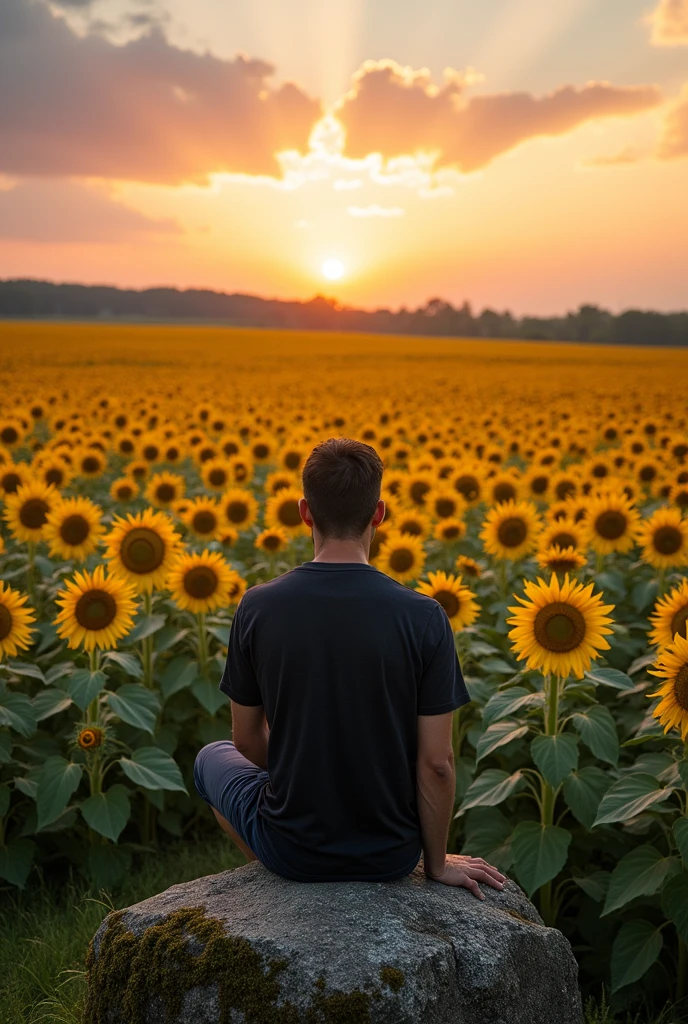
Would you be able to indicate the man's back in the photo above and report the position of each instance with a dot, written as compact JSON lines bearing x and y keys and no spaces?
{"x":343,"y":659}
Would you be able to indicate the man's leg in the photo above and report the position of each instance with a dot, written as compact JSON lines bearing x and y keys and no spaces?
{"x":234,"y":836}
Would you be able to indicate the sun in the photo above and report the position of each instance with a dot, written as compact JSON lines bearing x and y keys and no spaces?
{"x":333,"y":269}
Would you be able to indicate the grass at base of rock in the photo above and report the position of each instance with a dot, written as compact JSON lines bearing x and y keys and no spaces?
{"x":45,"y":935}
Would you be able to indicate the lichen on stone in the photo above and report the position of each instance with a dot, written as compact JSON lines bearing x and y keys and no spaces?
{"x":129,"y":971}
{"x":392,"y":976}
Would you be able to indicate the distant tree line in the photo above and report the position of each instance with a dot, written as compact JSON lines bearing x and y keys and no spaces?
{"x":27,"y":298}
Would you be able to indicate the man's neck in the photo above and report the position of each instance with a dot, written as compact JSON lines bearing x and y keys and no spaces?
{"x":334,"y":550}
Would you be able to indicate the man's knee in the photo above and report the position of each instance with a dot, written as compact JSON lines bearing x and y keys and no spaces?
{"x":209,"y":750}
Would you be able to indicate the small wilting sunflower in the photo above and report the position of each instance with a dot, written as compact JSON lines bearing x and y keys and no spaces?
{"x":202,"y":518}
{"x":664,"y":538}
{"x":164,"y":488}
{"x":141,"y":548}
{"x":562,"y":533}
{"x":239,"y":508}
{"x":272,"y":540}
{"x":457,"y":599}
{"x":670,"y":615}
{"x":672,"y":667}
{"x":200,"y":582}
{"x":559,"y":559}
{"x":414,"y":522}
{"x":450,"y":531}
{"x":124,"y":489}
{"x":26,"y":511}
{"x":73,"y":529}
{"x":90,"y":737}
{"x":237,"y":586}
{"x":560,"y":627}
{"x":468,"y":567}
{"x":401,"y":556}
{"x":283,"y":510}
{"x":97,"y":610}
{"x":611,"y":523}
{"x":15,"y":621}
{"x":510,"y":530}
{"x":445,"y":503}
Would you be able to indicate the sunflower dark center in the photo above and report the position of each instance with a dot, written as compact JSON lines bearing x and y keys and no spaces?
{"x":90,"y":464}
{"x":172,"y":454}
{"x":445,"y":507}
{"x":648,"y":473}
{"x":667,"y":540}
{"x":10,"y":481}
{"x":95,"y":609}
{"x":5,"y":622}
{"x":289,"y":513}
{"x":204,"y":521}
{"x":562,"y":564}
{"x":450,"y":532}
{"x":9,"y":435}
{"x":230,"y":448}
{"x":512,"y":532}
{"x":201,"y":582}
{"x":124,"y":492}
{"x":261,"y":451}
{"x":681,"y":688}
{"x":468,"y":486}
{"x":538,"y":484}
{"x":600,"y":470}
{"x":559,"y":627}
{"x":504,"y":491}
{"x":54,"y":475}
{"x":165,"y":492}
{"x":237,"y":511}
{"x":564,"y":488}
{"x":564,"y":540}
{"x":678,"y":623}
{"x":292,"y":460}
{"x":418,"y":490}
{"x":449,"y":602}
{"x":217,"y":477}
{"x":411,"y":526}
{"x":142,"y":550}
{"x":126,"y":446}
{"x":611,"y":524}
{"x":401,"y":560}
{"x":74,"y":529}
{"x":33,"y":513}
{"x":271,"y":542}
{"x":150,"y":452}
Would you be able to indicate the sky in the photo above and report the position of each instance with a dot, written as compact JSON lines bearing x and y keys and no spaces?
{"x":516,"y":154}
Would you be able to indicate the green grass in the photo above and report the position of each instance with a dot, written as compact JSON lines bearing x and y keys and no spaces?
{"x":45,"y":934}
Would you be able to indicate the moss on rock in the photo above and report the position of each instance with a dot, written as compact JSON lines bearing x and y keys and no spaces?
{"x":190,"y":950}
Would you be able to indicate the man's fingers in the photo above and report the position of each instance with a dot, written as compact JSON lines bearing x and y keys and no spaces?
{"x":485,"y":876}
{"x":479,"y":861}
{"x":471,"y":884}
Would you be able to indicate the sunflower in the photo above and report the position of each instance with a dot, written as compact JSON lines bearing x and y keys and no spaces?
{"x":26,"y":511}
{"x":73,"y":529}
{"x":283,"y":510}
{"x":510,"y":530}
{"x":379,"y":537}
{"x":417,"y":486}
{"x":216,"y":475}
{"x":272,"y":540}
{"x":503,"y":486}
{"x":239,"y":508}
{"x":611,"y":523}
{"x":664,"y":539}
{"x":173,"y":451}
{"x":12,"y":476}
{"x":15,"y":621}
{"x":97,"y":610}
{"x":561,"y":626}
{"x":240,"y":469}
{"x":124,"y":489}
{"x":163,"y":489}
{"x":558,"y":559}
{"x":202,"y":518}
{"x":670,"y":615}
{"x":262,"y":449}
{"x":12,"y":433}
{"x":126,"y":445}
{"x":564,"y":484}
{"x":449,"y":531}
{"x":150,"y":448}
{"x":138,"y":469}
{"x":414,"y":522}
{"x":237,"y":586}
{"x":141,"y":548}
{"x":678,"y":495}
{"x":90,"y":462}
{"x":469,"y":480}
{"x":401,"y":556}
{"x":672,"y":667}
{"x":562,"y":533}
{"x":537,"y":482}
{"x":445,"y":503}
{"x":468,"y":567}
{"x":230,"y":444}
{"x":457,"y":599}
{"x":200,"y":582}
{"x":90,"y":737}
{"x":52,"y":469}
{"x":280,"y":479}
{"x":393,"y":482}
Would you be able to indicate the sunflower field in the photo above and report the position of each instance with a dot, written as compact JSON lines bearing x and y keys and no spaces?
{"x":538,"y":492}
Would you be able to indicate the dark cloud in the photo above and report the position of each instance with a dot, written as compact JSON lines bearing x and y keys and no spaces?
{"x":392,"y":111}
{"x":44,"y":210}
{"x":146,"y":111}
{"x":674,"y":141}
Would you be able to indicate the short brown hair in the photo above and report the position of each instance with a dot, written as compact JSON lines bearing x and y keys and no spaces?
{"x":341,"y":483}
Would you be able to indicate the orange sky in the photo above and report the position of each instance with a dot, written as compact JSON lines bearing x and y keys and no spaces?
{"x":137,"y":151}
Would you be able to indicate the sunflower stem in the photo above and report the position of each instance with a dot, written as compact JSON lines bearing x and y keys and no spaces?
{"x":599,"y":562}
{"x":31,"y":572}
{"x":552,"y":687}
{"x":147,"y":643}
{"x":503,"y":584}
{"x":202,"y":644}
{"x":661,"y":585}
{"x":94,"y":665}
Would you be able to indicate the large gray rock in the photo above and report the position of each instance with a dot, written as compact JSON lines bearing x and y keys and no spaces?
{"x":249,"y":947}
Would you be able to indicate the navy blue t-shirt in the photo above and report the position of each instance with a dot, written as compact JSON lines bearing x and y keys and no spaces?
{"x":343,"y":659}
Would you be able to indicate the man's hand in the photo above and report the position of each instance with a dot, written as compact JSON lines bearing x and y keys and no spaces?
{"x":468,"y":871}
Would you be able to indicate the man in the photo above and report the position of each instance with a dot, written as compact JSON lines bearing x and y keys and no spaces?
{"x":342,"y":684}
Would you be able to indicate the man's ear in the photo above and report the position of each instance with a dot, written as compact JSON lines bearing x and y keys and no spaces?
{"x":305,"y":513}
{"x":379,"y":513}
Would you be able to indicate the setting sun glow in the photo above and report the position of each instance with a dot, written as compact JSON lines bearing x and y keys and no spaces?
{"x":333,"y":269}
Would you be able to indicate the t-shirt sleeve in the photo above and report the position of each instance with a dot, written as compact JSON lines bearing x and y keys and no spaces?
{"x":442,"y":687}
{"x":239,"y":678}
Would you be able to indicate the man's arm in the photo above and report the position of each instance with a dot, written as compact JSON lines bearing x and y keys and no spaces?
{"x":250,"y":732}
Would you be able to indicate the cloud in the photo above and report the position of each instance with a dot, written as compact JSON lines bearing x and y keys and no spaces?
{"x":625,"y":156}
{"x":44,"y":210}
{"x":75,"y":105}
{"x":394,"y":110}
{"x":674,"y":140}
{"x":669,"y":22}
{"x":374,"y":210}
